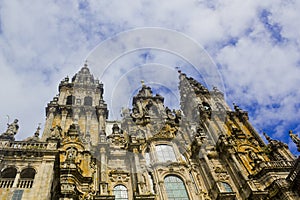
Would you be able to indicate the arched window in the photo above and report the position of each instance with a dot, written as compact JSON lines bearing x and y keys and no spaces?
{"x":165,"y":153}
{"x":88,"y":101}
{"x":26,"y":178}
{"x":70,"y":100}
{"x":120,"y":192}
{"x":7,"y":177}
{"x":175,"y":188}
{"x":226,"y":187}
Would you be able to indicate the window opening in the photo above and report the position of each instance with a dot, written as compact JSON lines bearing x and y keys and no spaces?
{"x":17,"y":195}
{"x":70,"y":100}
{"x":175,"y":188}
{"x":226,"y":187}
{"x":120,"y":192}
{"x":7,"y":177}
{"x":88,"y":101}
{"x":26,"y":178}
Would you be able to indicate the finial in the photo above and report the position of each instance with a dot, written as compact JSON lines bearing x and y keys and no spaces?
{"x":143,"y":83}
{"x":37,"y":132}
{"x":7,"y":118}
{"x":85,"y":63}
{"x":267,"y":137}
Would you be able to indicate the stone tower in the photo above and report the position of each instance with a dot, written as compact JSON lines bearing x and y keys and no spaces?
{"x":80,"y":101}
{"x":203,"y":151}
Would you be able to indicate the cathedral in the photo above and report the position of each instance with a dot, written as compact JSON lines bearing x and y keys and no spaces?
{"x":203,"y":151}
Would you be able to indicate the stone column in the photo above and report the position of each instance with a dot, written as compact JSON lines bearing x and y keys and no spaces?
{"x":140,"y":180}
{"x":48,"y":124}
{"x":88,"y":116}
{"x":103,"y":171}
{"x":101,"y":122}
{"x":76,"y":112}
{"x":64,"y":114}
{"x":16,"y":181}
{"x":101,"y":119}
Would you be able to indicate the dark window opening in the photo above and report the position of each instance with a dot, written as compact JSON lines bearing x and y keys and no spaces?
{"x":7,"y":177}
{"x":26,"y":178}
{"x":88,"y":101}
{"x":9,"y":173}
{"x":70,"y":100}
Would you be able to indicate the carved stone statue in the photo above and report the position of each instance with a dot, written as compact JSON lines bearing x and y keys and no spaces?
{"x":35,"y":137}
{"x":71,"y":154}
{"x":294,"y":137}
{"x":56,"y":132}
{"x":88,"y":195}
{"x":13,"y":128}
{"x":11,"y":131}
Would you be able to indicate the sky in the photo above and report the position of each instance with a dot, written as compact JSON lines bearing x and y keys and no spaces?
{"x":254,"y":44}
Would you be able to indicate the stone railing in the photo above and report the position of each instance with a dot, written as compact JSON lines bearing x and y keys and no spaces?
{"x":277,"y":164}
{"x":26,"y":145}
{"x":6,"y":182}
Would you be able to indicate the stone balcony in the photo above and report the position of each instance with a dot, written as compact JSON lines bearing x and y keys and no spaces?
{"x":15,"y":145}
{"x":274,"y":166}
{"x":22,"y":148}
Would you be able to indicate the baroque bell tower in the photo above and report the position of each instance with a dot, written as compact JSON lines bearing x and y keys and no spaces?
{"x":80,"y":102}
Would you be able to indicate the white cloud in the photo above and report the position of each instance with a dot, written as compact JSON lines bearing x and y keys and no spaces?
{"x":43,"y":41}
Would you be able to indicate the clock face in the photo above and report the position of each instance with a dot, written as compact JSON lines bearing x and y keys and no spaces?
{"x":206,"y":107}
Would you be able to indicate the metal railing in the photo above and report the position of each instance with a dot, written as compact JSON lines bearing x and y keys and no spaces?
{"x":25,"y":183}
{"x":6,"y":182}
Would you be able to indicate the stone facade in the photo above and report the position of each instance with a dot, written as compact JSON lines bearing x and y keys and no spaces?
{"x":204,"y":151}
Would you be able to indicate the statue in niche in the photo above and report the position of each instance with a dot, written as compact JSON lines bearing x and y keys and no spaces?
{"x":169,"y":113}
{"x":140,"y":134}
{"x":88,"y":195}
{"x":71,"y":154}
{"x":135,"y":113}
{"x":254,"y":157}
{"x":56,"y":132}
{"x":11,"y":130}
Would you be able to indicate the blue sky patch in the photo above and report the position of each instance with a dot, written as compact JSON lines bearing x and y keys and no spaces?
{"x":83,"y":5}
{"x":0,"y":26}
{"x":274,"y":28}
